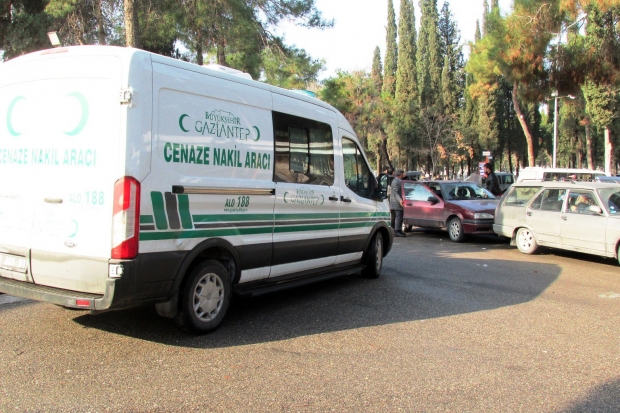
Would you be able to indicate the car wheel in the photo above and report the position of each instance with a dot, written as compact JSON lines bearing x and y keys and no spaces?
{"x":526,"y":242}
{"x":455,"y":230}
{"x":205,"y":298}
{"x":374,"y":257}
{"x":408,"y":228}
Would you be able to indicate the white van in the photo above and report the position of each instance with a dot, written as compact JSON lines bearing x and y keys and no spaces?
{"x":540,"y":174}
{"x":129,"y":178}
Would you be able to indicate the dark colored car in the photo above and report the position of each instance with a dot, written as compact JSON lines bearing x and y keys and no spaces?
{"x":459,"y":207}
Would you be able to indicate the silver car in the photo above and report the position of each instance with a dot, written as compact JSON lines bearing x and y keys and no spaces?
{"x":577,"y":216}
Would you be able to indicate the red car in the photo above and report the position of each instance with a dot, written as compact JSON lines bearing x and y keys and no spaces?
{"x":460,"y":207}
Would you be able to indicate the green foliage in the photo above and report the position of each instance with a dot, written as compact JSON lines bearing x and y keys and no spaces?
{"x":391,"y":53}
{"x":292,"y":68}
{"x":377,"y":69}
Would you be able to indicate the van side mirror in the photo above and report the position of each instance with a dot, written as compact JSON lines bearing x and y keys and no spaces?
{"x":433,"y":200}
{"x":382,"y":190}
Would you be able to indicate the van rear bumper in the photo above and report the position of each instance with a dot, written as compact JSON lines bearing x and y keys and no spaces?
{"x":117,"y":293}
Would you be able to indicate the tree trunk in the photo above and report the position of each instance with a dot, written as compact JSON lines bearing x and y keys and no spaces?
{"x":132,"y":31}
{"x":384,"y":152}
{"x":531,"y":156}
{"x":589,"y":149}
{"x":100,"y":25}
{"x":609,"y":152}
{"x":509,"y":159}
{"x":579,"y":151}
{"x":199,"y":58}
{"x":221,"y":53}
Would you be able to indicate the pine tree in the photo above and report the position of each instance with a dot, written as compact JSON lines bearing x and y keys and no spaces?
{"x":391,"y":53}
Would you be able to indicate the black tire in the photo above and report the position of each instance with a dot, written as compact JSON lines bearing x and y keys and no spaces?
{"x":408,"y":228}
{"x":205,"y":298}
{"x":374,"y":257}
{"x":455,"y":230}
{"x":526,"y":241}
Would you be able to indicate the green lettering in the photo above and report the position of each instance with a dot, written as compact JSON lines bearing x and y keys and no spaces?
{"x":167,"y":155}
{"x":199,"y":156}
{"x":184,"y":153}
{"x":175,"y":152}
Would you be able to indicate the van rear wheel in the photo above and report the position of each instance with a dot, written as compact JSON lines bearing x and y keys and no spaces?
{"x":374,"y":257}
{"x":205,"y":298}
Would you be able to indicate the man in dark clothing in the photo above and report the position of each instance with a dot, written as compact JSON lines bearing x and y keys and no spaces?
{"x":390,"y":178}
{"x":396,"y":203}
{"x":492,"y":182}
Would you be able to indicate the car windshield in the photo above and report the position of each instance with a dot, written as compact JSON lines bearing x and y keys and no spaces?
{"x":611,"y":200}
{"x":464,"y":191}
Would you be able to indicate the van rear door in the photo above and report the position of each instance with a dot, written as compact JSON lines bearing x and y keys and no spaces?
{"x":59,"y":154}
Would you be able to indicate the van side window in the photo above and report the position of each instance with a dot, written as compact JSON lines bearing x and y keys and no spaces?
{"x":357,"y":174}
{"x":304,"y":150}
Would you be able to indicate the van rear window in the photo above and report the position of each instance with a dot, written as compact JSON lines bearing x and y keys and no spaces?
{"x":519,"y":196}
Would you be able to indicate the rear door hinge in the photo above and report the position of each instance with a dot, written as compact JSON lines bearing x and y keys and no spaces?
{"x":125,"y":96}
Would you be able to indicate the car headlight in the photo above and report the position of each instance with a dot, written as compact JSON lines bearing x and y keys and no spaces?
{"x":482,"y":215}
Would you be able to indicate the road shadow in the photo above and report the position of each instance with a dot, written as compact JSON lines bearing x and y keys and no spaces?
{"x":602,"y":399}
{"x":440,"y":284}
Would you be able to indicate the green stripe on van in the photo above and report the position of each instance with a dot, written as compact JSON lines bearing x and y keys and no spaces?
{"x":157,"y":199}
{"x":224,"y":232}
{"x":232,"y":218}
{"x":146,"y":219}
{"x":186,"y":216}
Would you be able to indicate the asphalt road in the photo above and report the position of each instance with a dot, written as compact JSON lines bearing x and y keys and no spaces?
{"x":474,"y":327}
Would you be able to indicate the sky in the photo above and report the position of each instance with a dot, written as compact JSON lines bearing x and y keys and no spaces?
{"x":359,"y":27}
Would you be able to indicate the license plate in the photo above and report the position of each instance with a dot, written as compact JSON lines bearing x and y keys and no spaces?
{"x":13,"y":262}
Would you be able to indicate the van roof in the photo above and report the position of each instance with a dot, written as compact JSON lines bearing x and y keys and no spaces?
{"x":127,"y":53}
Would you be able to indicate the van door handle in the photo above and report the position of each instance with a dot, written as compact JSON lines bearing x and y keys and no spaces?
{"x":343,"y":199}
{"x":53,"y":200}
{"x":333,"y":198}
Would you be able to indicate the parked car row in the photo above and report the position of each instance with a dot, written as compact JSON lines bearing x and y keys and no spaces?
{"x":571,"y":215}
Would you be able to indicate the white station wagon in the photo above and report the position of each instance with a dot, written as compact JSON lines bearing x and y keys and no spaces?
{"x":577,"y":216}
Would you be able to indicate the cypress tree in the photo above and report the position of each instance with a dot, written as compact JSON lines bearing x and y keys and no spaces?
{"x":406,"y":87}
{"x":391,"y":53}
{"x":428,"y":55}
{"x":377,"y":70}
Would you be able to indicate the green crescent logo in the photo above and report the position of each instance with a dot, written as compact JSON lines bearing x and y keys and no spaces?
{"x":257,"y":133}
{"x":83,"y":117}
{"x":9,"y":124}
{"x":284,"y":197}
{"x":183,"y":116}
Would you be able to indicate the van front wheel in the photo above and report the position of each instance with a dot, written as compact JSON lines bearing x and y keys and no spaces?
{"x":374,"y":257}
{"x":205,"y":298}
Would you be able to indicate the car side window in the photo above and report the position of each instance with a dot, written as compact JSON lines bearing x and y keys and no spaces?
{"x":415,"y":192}
{"x":357,"y":175}
{"x":519,"y":196}
{"x":579,"y":202}
{"x":550,"y":200}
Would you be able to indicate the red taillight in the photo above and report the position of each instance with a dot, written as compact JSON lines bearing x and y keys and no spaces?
{"x":126,"y":218}
{"x":82,"y":303}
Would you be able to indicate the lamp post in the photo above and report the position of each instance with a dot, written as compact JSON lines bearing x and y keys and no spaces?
{"x":555,"y":124}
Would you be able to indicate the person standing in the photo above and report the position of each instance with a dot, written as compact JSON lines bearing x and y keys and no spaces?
{"x":396,"y":203}
{"x":492,"y":182}
{"x":389,"y":171}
